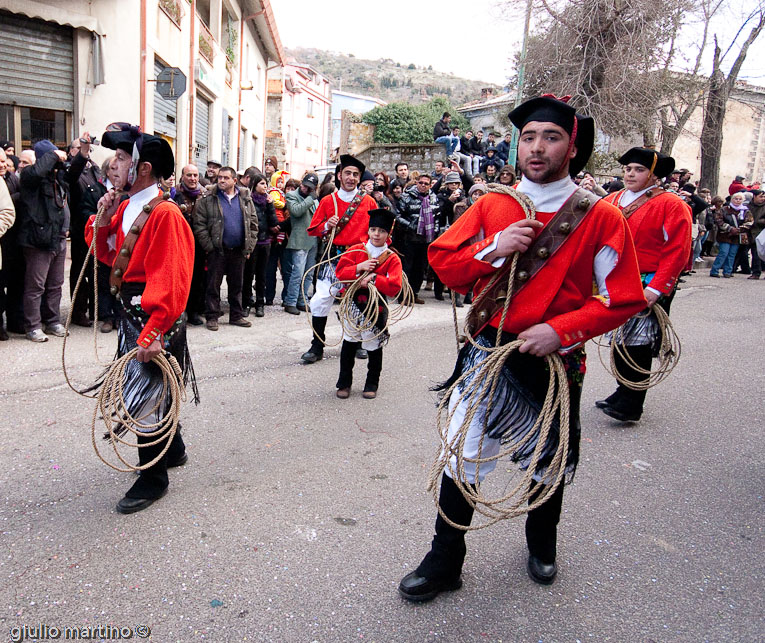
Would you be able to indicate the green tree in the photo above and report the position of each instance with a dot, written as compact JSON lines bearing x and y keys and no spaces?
{"x":406,"y":123}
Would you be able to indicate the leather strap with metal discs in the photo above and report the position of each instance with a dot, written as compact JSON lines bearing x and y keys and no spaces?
{"x":125,"y":252}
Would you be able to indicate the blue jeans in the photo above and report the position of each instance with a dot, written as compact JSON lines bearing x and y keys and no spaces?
{"x":449,"y":142}
{"x":293,"y":265}
{"x":725,"y":256}
{"x":310,"y":262}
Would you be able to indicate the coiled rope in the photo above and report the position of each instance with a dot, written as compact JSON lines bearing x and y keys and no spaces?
{"x":669,"y":353}
{"x":109,"y":398}
{"x":370,"y":315}
{"x":479,"y":392}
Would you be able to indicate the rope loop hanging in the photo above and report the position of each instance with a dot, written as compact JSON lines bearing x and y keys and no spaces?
{"x":476,"y":388}
{"x":109,"y":397}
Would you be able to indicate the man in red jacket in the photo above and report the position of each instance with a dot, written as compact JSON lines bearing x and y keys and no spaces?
{"x":576,"y":241}
{"x":660,"y":223}
{"x":342,"y":219}
{"x":151,"y":276}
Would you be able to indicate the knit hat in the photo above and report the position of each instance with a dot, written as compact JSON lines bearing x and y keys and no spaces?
{"x":452,"y":177}
{"x":43,"y":147}
{"x":478,"y":187}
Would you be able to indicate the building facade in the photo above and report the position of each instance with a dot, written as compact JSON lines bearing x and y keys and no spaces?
{"x":96,"y":62}
{"x":297,"y":118}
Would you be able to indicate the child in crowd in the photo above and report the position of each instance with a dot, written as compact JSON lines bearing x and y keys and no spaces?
{"x":384,"y":267}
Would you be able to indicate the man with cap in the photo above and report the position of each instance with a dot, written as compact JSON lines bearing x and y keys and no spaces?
{"x":341,"y":219}
{"x":660,"y":223}
{"x":383,"y":269}
{"x":576,"y":240}
{"x":211,"y":175}
{"x":151,"y":277}
{"x":44,"y":221}
{"x":301,"y":204}
{"x":737,"y":185}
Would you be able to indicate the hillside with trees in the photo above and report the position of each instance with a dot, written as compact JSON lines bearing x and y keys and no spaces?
{"x":389,"y":80}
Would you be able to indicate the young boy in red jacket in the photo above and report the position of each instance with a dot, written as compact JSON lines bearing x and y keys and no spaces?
{"x":384,"y":271}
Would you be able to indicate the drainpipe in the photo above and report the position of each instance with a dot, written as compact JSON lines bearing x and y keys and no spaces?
{"x":142,"y":75}
{"x":239,"y":106}
{"x":192,"y":95}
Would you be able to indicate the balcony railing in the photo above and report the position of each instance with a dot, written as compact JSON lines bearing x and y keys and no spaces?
{"x":206,"y":42}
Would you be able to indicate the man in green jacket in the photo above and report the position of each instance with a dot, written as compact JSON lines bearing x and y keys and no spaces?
{"x":301,"y":204}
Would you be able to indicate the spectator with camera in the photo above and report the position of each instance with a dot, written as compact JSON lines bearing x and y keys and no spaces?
{"x":45,"y":219}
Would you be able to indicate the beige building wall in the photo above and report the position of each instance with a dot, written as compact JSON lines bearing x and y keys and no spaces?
{"x":169,"y":39}
{"x":743,"y":148}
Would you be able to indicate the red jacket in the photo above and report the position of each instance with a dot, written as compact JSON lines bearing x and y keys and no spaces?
{"x":388,"y":279}
{"x":661,"y":228}
{"x":355,"y":230}
{"x":163,"y":259}
{"x":736,"y":186}
{"x":561,"y":292}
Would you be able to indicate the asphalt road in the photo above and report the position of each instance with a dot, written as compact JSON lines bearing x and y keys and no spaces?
{"x":298,"y":513}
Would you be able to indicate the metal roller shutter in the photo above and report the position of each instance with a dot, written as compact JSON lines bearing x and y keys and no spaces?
{"x":201,"y":132}
{"x":36,"y":63}
{"x":164,"y":109}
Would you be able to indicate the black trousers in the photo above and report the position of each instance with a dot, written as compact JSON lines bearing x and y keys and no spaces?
{"x":12,"y":284}
{"x":624,"y":398}
{"x":108,"y":307}
{"x":196,"y":302}
{"x":414,"y":262}
{"x":255,"y":267}
{"x":153,"y":481}
{"x":228,"y":263}
{"x":83,"y":303}
{"x":348,"y":361}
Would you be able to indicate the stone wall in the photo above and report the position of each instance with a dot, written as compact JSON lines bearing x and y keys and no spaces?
{"x":384,"y":156}
{"x":354,"y":135}
{"x":274,"y":144}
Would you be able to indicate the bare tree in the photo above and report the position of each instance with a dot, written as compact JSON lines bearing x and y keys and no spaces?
{"x":621,"y":62}
{"x":720,"y":87}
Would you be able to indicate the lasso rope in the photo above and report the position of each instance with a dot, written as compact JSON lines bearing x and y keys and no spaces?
{"x":110,"y":399}
{"x":371,"y":312}
{"x":484,"y":379}
{"x":669,"y":354}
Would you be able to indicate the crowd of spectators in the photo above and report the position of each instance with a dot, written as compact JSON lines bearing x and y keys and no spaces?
{"x":251,"y":226}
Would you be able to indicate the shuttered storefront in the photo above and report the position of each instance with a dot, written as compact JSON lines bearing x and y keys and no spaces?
{"x":201,"y":132}
{"x":36,"y":80}
{"x":164,"y":109}
{"x":36,"y":63}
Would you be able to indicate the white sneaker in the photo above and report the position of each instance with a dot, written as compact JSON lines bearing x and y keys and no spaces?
{"x":699,"y":260}
{"x":59,"y":330}
{"x":37,"y":335}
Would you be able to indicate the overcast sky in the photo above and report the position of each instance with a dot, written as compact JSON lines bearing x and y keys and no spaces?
{"x":469,"y":39}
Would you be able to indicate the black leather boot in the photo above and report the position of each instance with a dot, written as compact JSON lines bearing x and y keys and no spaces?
{"x":316,"y":352}
{"x":347,"y":362}
{"x":441,"y":568}
{"x":374,"y":369}
{"x":625,"y":404}
{"x":542,"y":536}
{"x":152,"y":483}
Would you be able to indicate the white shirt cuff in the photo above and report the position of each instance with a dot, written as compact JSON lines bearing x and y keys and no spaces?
{"x":489,"y":249}
{"x":654,"y":291}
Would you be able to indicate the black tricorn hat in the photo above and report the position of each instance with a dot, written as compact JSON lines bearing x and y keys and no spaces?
{"x":551,"y":109}
{"x":151,"y":149}
{"x":346,"y":160}
{"x":659,"y":164}
{"x":381,"y":219}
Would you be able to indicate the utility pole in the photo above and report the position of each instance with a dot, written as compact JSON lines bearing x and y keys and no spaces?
{"x":513,"y":154}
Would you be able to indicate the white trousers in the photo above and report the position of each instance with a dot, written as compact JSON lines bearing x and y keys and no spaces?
{"x":489,"y":448}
